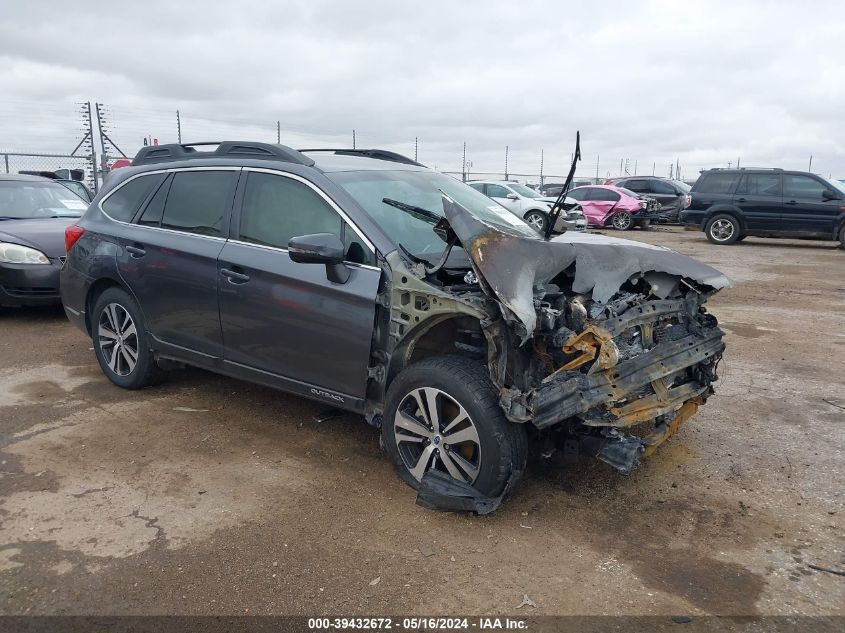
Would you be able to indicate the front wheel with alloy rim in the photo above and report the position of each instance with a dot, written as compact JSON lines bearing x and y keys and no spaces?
{"x":622,"y":221}
{"x":537,"y":220}
{"x":722,"y":229}
{"x":443,"y":413}
{"x":121,"y":343}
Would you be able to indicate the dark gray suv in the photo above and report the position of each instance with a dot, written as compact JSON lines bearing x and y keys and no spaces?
{"x":364,"y":280}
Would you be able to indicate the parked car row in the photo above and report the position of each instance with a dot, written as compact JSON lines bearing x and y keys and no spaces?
{"x":531,"y":206}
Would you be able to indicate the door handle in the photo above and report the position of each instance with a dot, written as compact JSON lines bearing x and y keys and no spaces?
{"x":234,"y":276}
{"x":792,"y":202}
{"x":135,"y":251}
{"x":740,"y":199}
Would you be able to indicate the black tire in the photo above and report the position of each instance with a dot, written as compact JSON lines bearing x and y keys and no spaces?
{"x":722,"y":229}
{"x":537,"y":220}
{"x":622,"y":221}
{"x":115,"y":362}
{"x":502,"y":446}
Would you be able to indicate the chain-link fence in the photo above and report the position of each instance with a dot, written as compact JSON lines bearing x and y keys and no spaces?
{"x":16,"y":162}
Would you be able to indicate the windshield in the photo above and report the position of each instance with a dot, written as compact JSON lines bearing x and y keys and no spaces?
{"x":836,"y":184}
{"x":524,"y":191}
{"x":421,"y":189}
{"x":27,"y":199}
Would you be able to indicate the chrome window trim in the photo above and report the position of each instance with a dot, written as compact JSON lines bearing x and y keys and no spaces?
{"x":320,"y":193}
{"x":151,"y":173}
{"x":279,"y":249}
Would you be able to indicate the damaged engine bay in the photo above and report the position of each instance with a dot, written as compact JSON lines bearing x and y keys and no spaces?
{"x":603,"y":345}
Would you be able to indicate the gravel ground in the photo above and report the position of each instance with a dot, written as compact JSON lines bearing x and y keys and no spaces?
{"x":206,"y":495}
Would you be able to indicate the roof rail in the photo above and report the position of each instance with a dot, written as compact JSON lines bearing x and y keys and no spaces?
{"x":379,"y":154}
{"x":225,"y":149}
{"x":744,"y":168}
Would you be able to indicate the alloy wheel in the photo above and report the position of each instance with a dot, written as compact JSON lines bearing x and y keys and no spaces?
{"x":118,"y":339}
{"x":622,"y":221}
{"x":433,"y":430}
{"x":536,"y":221}
{"x":722,"y":230}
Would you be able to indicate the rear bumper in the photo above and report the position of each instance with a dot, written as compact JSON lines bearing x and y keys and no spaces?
{"x":29,"y":284}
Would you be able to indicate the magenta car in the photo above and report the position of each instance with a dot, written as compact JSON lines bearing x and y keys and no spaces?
{"x":606,"y":205}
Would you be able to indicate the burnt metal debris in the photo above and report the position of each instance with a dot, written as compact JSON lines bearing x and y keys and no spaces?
{"x":603,"y":344}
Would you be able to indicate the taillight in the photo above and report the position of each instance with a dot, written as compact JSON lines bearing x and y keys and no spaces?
{"x":72,"y":235}
{"x":687,"y":201}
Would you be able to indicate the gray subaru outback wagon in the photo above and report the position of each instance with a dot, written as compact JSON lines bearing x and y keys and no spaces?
{"x":362,"y":279}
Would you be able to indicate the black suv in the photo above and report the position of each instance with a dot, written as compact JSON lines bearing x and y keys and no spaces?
{"x":366,"y":281}
{"x":731,"y":204}
{"x":673,"y":195}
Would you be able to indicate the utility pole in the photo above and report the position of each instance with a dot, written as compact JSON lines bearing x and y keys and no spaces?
{"x":178,"y":127}
{"x":416,"y":146}
{"x":541,"y":167}
{"x":653,"y":167}
{"x":597,"y":169}
{"x":635,"y":166}
{"x":353,"y":139}
{"x":279,"y":132}
{"x":506,"y":162}
{"x":810,"y":167}
{"x":621,"y":161}
{"x":464,"y":164}
{"x":737,"y":162}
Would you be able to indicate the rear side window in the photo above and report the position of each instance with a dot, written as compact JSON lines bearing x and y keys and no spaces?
{"x":603,"y":195}
{"x":802,"y":187}
{"x":126,"y":199}
{"x":577,"y":194}
{"x":717,"y":183}
{"x":198,"y":202}
{"x":640,"y":186}
{"x":760,"y":185}
{"x":658,"y":186}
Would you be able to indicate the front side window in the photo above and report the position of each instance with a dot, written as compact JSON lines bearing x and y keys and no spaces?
{"x":497,"y":191}
{"x":478,"y":186}
{"x":525,"y":192}
{"x":277,"y":208}
{"x":717,"y":183}
{"x":125,"y":201}
{"x":802,"y":187}
{"x":198,"y":202}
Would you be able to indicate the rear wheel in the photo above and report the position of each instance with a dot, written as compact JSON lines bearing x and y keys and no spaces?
{"x":622,"y":221}
{"x":120,"y":340}
{"x":722,"y":229}
{"x":443,"y":413}
{"x":537,"y":220}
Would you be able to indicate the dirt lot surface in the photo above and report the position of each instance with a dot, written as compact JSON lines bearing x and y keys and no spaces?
{"x":208,"y":495}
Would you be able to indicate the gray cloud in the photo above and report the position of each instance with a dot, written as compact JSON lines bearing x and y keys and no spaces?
{"x":704,"y":83}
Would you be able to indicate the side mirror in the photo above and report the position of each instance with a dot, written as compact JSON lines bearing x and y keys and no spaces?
{"x":829,"y":194}
{"x":320,"y":248}
{"x":512,"y":196}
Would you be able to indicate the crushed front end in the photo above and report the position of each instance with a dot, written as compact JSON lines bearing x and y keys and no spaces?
{"x":619,"y":378}
{"x":605,"y":343}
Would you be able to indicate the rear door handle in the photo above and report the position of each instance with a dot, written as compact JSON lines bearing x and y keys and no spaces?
{"x":234,"y":276}
{"x":135,"y":251}
{"x":740,"y":199}
{"x":792,"y":202}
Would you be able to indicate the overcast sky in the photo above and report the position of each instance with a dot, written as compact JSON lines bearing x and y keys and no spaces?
{"x":653,"y":82}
